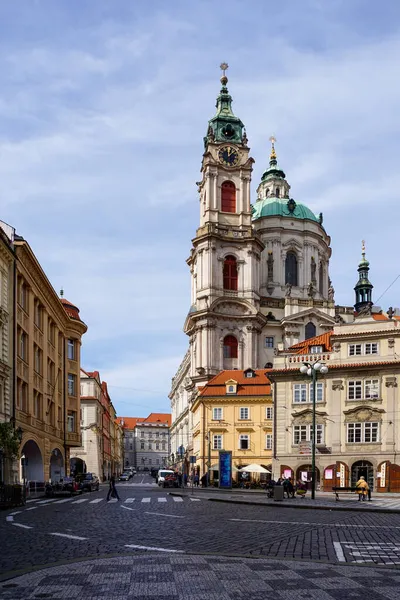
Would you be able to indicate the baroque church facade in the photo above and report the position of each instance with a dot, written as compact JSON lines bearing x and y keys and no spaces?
{"x":259,"y":270}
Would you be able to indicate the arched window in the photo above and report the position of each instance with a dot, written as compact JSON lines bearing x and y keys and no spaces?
{"x":277,"y":192}
{"x":311,"y":330}
{"x":267,"y":192}
{"x":321,"y":279}
{"x":230,"y":273}
{"x":291,"y":268}
{"x":228,"y":197}
{"x":230,"y":347}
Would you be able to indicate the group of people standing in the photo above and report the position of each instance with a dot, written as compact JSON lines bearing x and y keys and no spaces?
{"x":290,"y":488}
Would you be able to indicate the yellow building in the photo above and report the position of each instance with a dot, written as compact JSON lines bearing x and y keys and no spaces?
{"x":233,"y":411}
{"x":47,"y":401}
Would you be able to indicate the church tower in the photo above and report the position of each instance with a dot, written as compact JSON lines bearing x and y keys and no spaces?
{"x":363,"y":288}
{"x":224,"y":323}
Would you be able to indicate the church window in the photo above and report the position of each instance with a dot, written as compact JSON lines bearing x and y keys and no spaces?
{"x":277,"y":192}
{"x":267,"y":192}
{"x":269,"y":342}
{"x":228,"y":197}
{"x":230,"y":347}
{"x":291,"y":268}
{"x":321,"y":279}
{"x":230,"y":273}
{"x":311,"y":330}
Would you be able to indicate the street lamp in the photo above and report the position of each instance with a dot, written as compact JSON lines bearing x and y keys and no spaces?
{"x":312,"y":371}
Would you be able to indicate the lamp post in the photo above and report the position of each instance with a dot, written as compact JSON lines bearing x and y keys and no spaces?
{"x":312,"y":371}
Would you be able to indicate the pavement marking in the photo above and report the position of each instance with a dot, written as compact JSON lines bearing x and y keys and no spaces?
{"x":339,"y":551}
{"x":80,"y":501}
{"x":71,"y":537}
{"x":316,"y":524}
{"x":112,"y":501}
{"x":129,"y":500}
{"x":153,"y":548}
{"x":162,"y":499}
{"x":177,"y":499}
{"x":127,"y":507}
{"x":62,"y":501}
{"x":23,"y":526}
{"x":10,"y":518}
{"x":32,"y":508}
{"x":195,"y":499}
{"x":96,"y":501}
{"x":47,"y":501}
{"x":146,"y":499}
{"x":17,"y":512}
{"x":164,"y":515}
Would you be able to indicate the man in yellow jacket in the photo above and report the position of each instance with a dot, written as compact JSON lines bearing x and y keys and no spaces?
{"x":362,"y":488}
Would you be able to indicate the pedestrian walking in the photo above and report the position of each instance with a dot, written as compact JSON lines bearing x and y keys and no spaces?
{"x":362,"y":489}
{"x":196,"y":480}
{"x":112,"y":490}
{"x":185,"y":479}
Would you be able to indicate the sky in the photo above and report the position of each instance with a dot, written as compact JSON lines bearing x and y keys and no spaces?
{"x":103,"y":109}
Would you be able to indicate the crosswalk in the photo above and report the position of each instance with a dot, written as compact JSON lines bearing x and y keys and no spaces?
{"x":87,"y":500}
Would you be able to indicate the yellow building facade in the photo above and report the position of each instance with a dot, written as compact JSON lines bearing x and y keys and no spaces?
{"x":233,"y":411}
{"x":47,"y":392}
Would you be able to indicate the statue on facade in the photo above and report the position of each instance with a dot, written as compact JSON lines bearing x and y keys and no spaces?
{"x":313,"y":270}
{"x":244,"y":138}
{"x":331,"y":291}
{"x":270,"y":265}
{"x":311,"y":290}
{"x":210,"y":134}
{"x":288,"y":291}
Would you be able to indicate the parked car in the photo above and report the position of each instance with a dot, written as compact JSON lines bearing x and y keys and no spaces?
{"x":162,"y":474}
{"x":89,"y":482}
{"x":66,"y":485}
{"x":125,"y":476}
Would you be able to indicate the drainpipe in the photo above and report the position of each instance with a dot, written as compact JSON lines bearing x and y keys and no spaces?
{"x":14,"y":341}
{"x":64,"y":409}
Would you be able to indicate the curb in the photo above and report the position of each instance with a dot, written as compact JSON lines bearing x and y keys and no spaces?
{"x":390,"y":511}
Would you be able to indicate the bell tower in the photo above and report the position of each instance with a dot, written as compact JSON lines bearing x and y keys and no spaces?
{"x":363,"y":287}
{"x":224,"y":319}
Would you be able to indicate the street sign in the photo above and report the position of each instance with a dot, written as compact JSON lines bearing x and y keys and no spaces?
{"x":193,"y":460}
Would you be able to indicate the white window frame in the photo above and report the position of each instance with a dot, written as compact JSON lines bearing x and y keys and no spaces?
{"x":368,"y":432}
{"x":316,"y":350}
{"x":71,"y":423}
{"x":244,"y":410}
{"x":244,"y":437}
{"x":371,"y":348}
{"x":355,"y":349}
{"x":303,"y":433}
{"x":71,"y":384}
{"x":303,"y":393}
{"x":366,"y":349}
{"x":231,"y":388}
{"x":355,"y":389}
{"x":371,"y":389}
{"x":217,"y":441}
{"x":217,"y":410}
{"x":268,"y":441}
{"x":71,"y":349}
{"x":269,"y":412}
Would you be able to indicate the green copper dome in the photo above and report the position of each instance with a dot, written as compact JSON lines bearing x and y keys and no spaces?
{"x":282,"y":207}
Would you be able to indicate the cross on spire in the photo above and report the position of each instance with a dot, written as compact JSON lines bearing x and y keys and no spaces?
{"x":272,"y":139}
{"x":224,"y":67}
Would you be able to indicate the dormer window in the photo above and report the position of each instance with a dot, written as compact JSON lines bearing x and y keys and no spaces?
{"x":249,"y":373}
{"x":316,"y":349}
{"x":231,"y":386}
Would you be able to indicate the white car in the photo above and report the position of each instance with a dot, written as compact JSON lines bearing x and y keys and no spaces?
{"x":162,"y":474}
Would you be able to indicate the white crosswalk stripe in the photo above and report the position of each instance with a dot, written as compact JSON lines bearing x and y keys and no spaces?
{"x":195,"y":499}
{"x":177,"y":499}
{"x":112,"y":501}
{"x":96,"y":501}
{"x":162,"y":499}
{"x":80,"y":501}
{"x":63,"y":501}
{"x":146,"y":499}
{"x":129,"y":500}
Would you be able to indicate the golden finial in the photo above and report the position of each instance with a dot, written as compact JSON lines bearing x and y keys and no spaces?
{"x":272,"y":139}
{"x":363,"y":247}
{"x":224,"y":67}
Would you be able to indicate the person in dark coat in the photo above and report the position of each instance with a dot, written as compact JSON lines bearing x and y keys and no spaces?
{"x":112,"y":490}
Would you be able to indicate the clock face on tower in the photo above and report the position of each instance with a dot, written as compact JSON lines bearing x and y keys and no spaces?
{"x":228,"y":156}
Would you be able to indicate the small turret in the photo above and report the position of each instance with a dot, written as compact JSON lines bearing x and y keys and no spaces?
{"x":273,"y":181}
{"x":363,"y":288}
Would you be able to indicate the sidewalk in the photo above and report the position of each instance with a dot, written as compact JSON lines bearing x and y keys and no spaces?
{"x":382,"y":503}
{"x":192,"y":577}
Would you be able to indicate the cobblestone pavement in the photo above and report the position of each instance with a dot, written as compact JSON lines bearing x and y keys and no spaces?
{"x":47,"y":531}
{"x":177,"y":577}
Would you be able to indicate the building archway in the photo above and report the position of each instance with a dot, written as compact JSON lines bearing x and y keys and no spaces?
{"x":304,"y":474}
{"x":365,"y":469}
{"x":57,"y":469}
{"x":77,"y":466}
{"x":32,"y":462}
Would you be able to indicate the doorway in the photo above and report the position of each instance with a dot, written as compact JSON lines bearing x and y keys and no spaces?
{"x":365,"y":469}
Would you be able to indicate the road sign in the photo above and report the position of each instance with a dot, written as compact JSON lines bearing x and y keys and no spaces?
{"x":193,"y":460}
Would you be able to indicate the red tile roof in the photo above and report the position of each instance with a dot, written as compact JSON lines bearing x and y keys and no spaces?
{"x":71,"y":310}
{"x":324,"y":340}
{"x":247,"y":386}
{"x":159,"y":418}
{"x":384,"y":317}
{"x":129,"y":422}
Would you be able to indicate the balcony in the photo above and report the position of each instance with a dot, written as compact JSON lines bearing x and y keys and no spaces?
{"x":309,"y":358}
{"x":73,"y":439}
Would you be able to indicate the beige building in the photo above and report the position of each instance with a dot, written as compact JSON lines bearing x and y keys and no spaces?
{"x":357,"y":415}
{"x":48,"y":332}
{"x":8,"y":467}
{"x":233,"y":411}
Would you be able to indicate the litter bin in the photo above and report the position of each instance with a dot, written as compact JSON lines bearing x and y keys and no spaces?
{"x":278,"y":493}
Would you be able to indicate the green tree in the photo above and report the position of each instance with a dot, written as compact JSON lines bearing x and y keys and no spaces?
{"x":8,"y":440}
